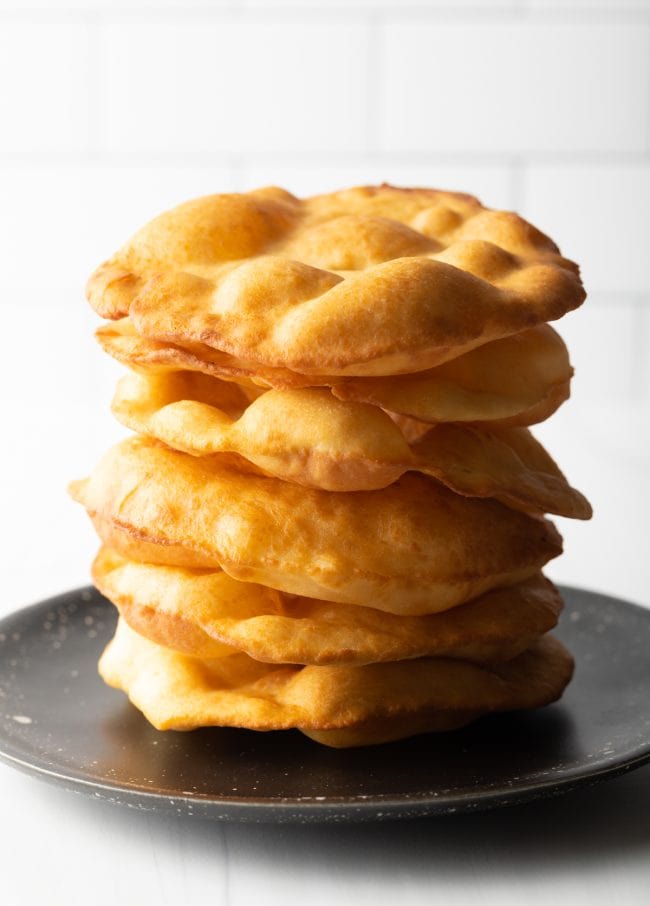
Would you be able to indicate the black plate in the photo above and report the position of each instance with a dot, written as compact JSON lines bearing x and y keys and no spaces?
{"x":60,"y":722}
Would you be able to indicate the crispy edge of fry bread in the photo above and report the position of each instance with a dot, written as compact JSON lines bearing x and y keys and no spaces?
{"x":337,"y":706}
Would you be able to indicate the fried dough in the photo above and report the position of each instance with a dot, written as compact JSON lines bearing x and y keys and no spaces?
{"x":411,"y":548}
{"x":337,"y":706}
{"x":518,"y":380}
{"x":206,"y":613}
{"x":308,"y":437}
{"x":332,"y":516}
{"x":370,"y":281}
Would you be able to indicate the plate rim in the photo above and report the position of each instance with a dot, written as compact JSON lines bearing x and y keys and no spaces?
{"x":308,"y":809}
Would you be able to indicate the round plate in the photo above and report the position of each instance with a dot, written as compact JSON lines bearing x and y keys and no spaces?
{"x":60,"y":722}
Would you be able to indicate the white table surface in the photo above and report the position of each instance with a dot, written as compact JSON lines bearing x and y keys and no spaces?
{"x":590,"y":847}
{"x":587,"y":847}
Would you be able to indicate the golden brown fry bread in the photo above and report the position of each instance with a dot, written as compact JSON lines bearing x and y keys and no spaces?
{"x":508,"y":465}
{"x":338,"y":706}
{"x":518,"y":380}
{"x":140,"y":395}
{"x":369,"y":281}
{"x":309,"y":437}
{"x":414,"y":547}
{"x":120,"y":340}
{"x":207,"y":614}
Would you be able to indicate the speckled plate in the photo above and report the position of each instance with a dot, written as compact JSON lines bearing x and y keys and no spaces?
{"x":59,"y":722}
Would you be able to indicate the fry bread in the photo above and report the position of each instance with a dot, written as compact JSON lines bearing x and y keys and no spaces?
{"x":518,"y":380}
{"x":337,"y":706}
{"x":411,"y":548}
{"x":308,"y":437}
{"x":206,"y":613}
{"x":369,"y":281}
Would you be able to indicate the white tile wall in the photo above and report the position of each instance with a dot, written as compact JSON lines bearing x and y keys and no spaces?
{"x":600,"y":338}
{"x":492,"y":182}
{"x":510,"y":86}
{"x":111,"y":111}
{"x":235,"y":85}
{"x":44,"y":73}
{"x":599,"y":213}
{"x":616,"y":6}
{"x":59,"y":220}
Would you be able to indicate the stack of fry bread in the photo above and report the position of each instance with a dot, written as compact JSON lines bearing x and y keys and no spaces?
{"x":331,"y":515}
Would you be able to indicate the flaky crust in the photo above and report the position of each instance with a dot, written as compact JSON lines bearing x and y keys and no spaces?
{"x":412,"y":548}
{"x":338,"y":706}
{"x":368,"y":281}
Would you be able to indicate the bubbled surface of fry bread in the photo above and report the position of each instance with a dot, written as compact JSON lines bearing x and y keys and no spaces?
{"x":339,"y":705}
{"x":206,"y":613}
{"x":411,"y":548}
{"x":368,"y":281}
